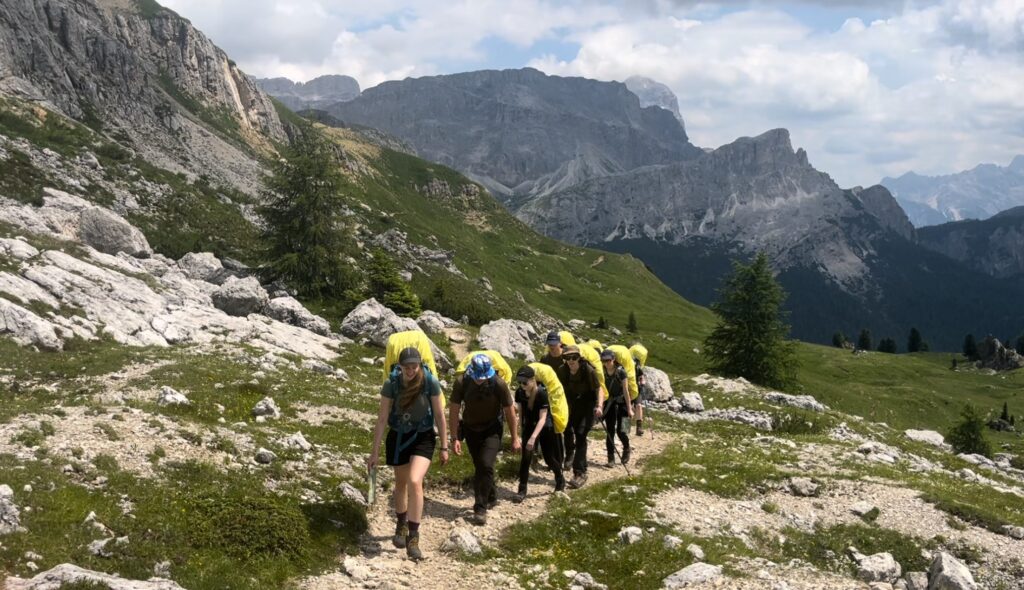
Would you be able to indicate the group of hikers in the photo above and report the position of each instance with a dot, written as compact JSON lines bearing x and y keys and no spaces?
{"x":559,"y":399}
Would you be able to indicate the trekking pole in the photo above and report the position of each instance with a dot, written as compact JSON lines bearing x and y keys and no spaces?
{"x":372,"y":494}
{"x":614,"y":448}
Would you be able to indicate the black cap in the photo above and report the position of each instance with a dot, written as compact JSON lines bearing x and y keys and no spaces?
{"x":553,"y":338}
{"x":409,"y":355}
{"x":526,"y":372}
{"x":607,"y":354}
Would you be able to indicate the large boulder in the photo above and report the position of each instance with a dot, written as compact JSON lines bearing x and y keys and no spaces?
{"x":692,"y":575}
{"x":240,"y":297}
{"x":462,"y":540}
{"x":203,"y":266}
{"x":880,"y":567}
{"x":992,"y":354}
{"x":110,"y":233}
{"x":804,"y":402}
{"x":510,"y":338}
{"x":691,"y":402}
{"x":27,"y":328}
{"x":949,"y":573}
{"x":10,"y":518}
{"x":290,"y":311}
{"x":658,"y":386}
{"x":68,"y":574}
{"x":434,"y":323}
{"x":374,"y":322}
{"x":928,"y":437}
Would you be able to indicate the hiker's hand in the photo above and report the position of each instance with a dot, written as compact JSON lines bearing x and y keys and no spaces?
{"x":516,"y":446}
{"x":598,"y":412}
{"x":457,"y":446}
{"x":444,"y":458}
{"x":629,"y":410}
{"x":529,"y":445}
{"x":371,"y":461}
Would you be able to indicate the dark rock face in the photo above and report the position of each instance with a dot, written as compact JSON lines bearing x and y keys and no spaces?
{"x":144,"y":74}
{"x":979,"y":193}
{"x":992,"y":354}
{"x":521,"y":132}
{"x":318,"y":93}
{"x":994,"y":246}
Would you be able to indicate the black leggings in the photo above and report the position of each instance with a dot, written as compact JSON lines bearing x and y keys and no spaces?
{"x":483,"y":448}
{"x":581,"y":421}
{"x":549,"y":445}
{"x":616,"y":422}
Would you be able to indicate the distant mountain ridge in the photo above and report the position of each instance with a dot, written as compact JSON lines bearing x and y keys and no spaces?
{"x":654,"y":93}
{"x":978,"y":193}
{"x":318,"y":93}
{"x":522,"y":133}
{"x":994,"y":246}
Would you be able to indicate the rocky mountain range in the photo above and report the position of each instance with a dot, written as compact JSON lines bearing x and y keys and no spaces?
{"x":318,"y":93}
{"x":654,"y":93}
{"x":979,"y":193}
{"x":994,"y":246}
{"x":522,"y":133}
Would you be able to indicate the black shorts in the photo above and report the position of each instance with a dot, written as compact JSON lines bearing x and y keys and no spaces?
{"x":420,"y":444}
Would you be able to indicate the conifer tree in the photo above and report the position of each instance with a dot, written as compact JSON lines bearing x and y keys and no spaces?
{"x":914,"y":341}
{"x":602,"y":323}
{"x":887,"y":345}
{"x":970,"y":347}
{"x":750,"y":338}
{"x":1005,"y":416}
{"x":389,"y":288}
{"x":305,"y":236}
{"x":839,"y":340}
{"x":968,"y":436}
{"x":1020,"y":344}
{"x":864,"y":340}
{"x":631,"y":323}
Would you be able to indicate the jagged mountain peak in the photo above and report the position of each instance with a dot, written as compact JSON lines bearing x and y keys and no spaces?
{"x":654,"y":93}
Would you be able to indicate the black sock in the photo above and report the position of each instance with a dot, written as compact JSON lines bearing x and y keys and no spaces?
{"x":414,"y":528}
{"x":401,"y":517}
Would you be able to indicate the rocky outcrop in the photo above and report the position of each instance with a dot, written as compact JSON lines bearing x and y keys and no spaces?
{"x":949,"y":573}
{"x":654,"y":94}
{"x":992,"y":354}
{"x":411,"y":256}
{"x":435,"y":323}
{"x":510,"y":338}
{"x":804,"y":402}
{"x":319,"y":93}
{"x":994,"y":246}
{"x":10,"y":516}
{"x":67,"y":574}
{"x":290,"y":311}
{"x":928,"y":437}
{"x":203,"y":266}
{"x":79,"y":292}
{"x":692,"y":575}
{"x":144,"y":73}
{"x":240,"y":297}
{"x":487,"y":124}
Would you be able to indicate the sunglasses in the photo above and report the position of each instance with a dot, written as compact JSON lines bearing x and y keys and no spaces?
{"x":571,"y":357}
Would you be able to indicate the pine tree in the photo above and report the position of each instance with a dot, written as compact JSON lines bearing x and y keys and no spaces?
{"x":968,"y":436}
{"x":970,"y":347}
{"x":1020,"y":344}
{"x":887,"y":345}
{"x":389,"y":288}
{"x":1005,"y":416}
{"x":914,"y":342}
{"x":839,"y":340}
{"x":750,"y":338}
{"x":305,"y":236}
{"x":602,"y":323}
{"x":631,"y":323}
{"x":864,"y":340}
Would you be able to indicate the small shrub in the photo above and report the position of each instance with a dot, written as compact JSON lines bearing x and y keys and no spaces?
{"x":800,"y":422}
{"x":157,"y":454}
{"x":47,"y":429}
{"x":106,"y":463}
{"x":108,"y":431}
{"x":870,"y":515}
{"x":770,"y":507}
{"x":83,"y":585}
{"x":968,"y":436}
{"x":1017,"y":461}
{"x":249,"y":526}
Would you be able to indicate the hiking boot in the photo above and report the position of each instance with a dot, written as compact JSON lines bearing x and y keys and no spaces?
{"x":412,"y":548}
{"x":401,"y":534}
{"x":479,"y":518}
{"x":560,"y":483}
{"x":639,"y":428}
{"x":625,"y":455}
{"x":519,"y":497}
{"x":567,"y":465}
{"x":611,"y":460}
{"x":578,"y":480}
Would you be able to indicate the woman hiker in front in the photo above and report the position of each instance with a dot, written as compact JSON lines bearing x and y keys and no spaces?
{"x":538,"y":429}
{"x":410,"y":403}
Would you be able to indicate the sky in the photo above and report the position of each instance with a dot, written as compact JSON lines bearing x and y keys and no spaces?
{"x":870,"y":88}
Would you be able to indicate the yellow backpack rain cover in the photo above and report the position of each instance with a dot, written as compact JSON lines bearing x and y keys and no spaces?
{"x":399,"y":341}
{"x":499,"y":364}
{"x":639,"y":352}
{"x":594,"y":358}
{"x":566,"y":338}
{"x":556,"y":395}
{"x":625,"y":358}
{"x":595,"y":344}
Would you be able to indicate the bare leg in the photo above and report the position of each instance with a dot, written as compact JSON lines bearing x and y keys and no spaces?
{"x":417,"y":470}
{"x":401,"y":492}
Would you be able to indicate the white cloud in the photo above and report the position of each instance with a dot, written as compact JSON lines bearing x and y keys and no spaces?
{"x":934,"y":86}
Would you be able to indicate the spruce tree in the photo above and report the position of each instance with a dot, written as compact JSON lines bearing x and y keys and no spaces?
{"x":631,"y":323}
{"x":305,"y":236}
{"x":887,"y":345}
{"x":970,"y":347}
{"x":389,"y":288}
{"x":914,"y":341}
{"x":864,"y":340}
{"x":602,"y":323}
{"x":968,"y":436}
{"x":1005,"y":416}
{"x":750,"y":338}
{"x":839,"y":340}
